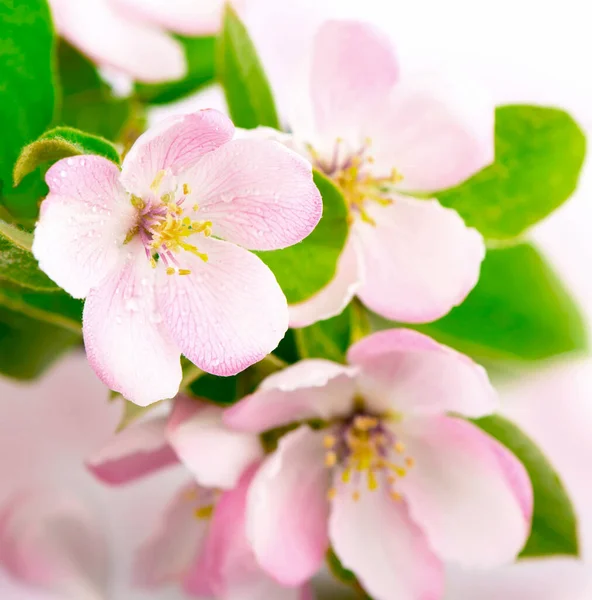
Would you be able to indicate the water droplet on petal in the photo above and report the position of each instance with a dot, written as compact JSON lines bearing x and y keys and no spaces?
{"x":82,"y":162}
{"x":63,"y":173}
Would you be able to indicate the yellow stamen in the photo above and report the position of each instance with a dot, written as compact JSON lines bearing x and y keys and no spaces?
{"x":330,"y":459}
{"x":184,"y":272}
{"x":410,"y":462}
{"x":329,"y":441}
{"x":157,"y":180}
{"x":205,"y":512}
{"x":331,"y":493}
{"x":399,"y":447}
{"x":170,"y":271}
{"x":396,"y":496}
{"x":186,"y":189}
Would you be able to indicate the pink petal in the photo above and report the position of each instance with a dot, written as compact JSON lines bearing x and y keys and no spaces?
{"x":13,"y":589}
{"x":354,"y":67}
{"x":309,"y":389}
{"x":125,"y":340}
{"x":174,"y":144}
{"x":83,"y":223}
{"x":109,"y":38}
{"x":375,"y":538}
{"x":472,"y":506}
{"x":215,"y":455}
{"x":533,"y":579}
{"x":186,"y":17}
{"x":435,"y":133}
{"x":287,"y":508}
{"x":411,"y":373}
{"x":167,"y":555}
{"x":336,"y":295}
{"x":229,"y":313}
{"x":138,"y":450}
{"x":419,"y":259}
{"x":50,"y":540}
{"x":257,"y":193}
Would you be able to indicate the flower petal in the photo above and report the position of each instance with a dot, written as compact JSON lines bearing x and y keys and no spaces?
{"x":176,"y":143}
{"x":257,"y":193}
{"x":106,"y":35}
{"x":473,"y":507}
{"x":419,"y":259}
{"x":169,"y":552}
{"x":311,"y":388}
{"x":533,"y":579}
{"x":375,"y":538}
{"x":287,"y":501}
{"x":83,"y":223}
{"x":126,"y":342}
{"x":139,"y":449}
{"x":435,"y":133}
{"x":336,"y":295}
{"x":229,"y":313}
{"x":353,"y":69}
{"x":215,"y":455}
{"x":411,"y":373}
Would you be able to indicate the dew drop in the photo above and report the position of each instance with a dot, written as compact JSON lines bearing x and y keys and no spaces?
{"x":70,"y":162}
{"x":63,"y":173}
{"x":82,"y":162}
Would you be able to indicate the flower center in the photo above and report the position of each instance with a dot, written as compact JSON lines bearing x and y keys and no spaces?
{"x":368,"y":453}
{"x":352,"y":172}
{"x":164,"y":227}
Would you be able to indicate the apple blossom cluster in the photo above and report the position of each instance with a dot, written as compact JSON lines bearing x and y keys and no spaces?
{"x":229,"y":250}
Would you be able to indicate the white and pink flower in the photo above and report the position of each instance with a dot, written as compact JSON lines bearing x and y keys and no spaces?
{"x":201,"y":542}
{"x":133,"y":36}
{"x":385,"y":475}
{"x":384,"y":138}
{"x":158,"y":250}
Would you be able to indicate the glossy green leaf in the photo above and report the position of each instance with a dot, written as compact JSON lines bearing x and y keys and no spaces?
{"x":17,"y":264}
{"x":248,"y":93}
{"x":27,"y":83}
{"x":554,"y":524}
{"x":87,"y":102}
{"x":539,"y":154}
{"x":201,"y":71}
{"x":305,"y":268}
{"x":220,"y":390}
{"x":58,"y":143}
{"x":519,"y":310}
{"x":29,"y":346}
{"x":328,"y":339}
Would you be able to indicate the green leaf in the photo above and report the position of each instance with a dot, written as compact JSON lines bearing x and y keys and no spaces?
{"x":554,"y":524}
{"x":201,"y":71}
{"x":58,"y":143}
{"x":248,"y":94}
{"x":29,"y":346}
{"x":87,"y":101}
{"x":17,"y":264}
{"x":328,"y":339}
{"x":27,"y":92}
{"x":305,"y":268}
{"x":220,"y":390}
{"x":539,"y":154}
{"x":56,"y":308}
{"x":519,"y":310}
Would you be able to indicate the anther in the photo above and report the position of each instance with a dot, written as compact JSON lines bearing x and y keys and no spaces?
{"x":170,"y":271}
{"x":410,"y":462}
{"x":331,"y":493}
{"x":329,"y":441}
{"x":396,"y":496}
{"x":157,"y":180}
{"x":330,"y":459}
{"x":186,"y":189}
{"x":399,"y":447}
{"x":184,"y":272}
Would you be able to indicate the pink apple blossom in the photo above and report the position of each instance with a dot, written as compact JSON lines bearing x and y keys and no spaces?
{"x":132,"y":35}
{"x":386,"y":476}
{"x":145,"y":246}
{"x":201,"y":540}
{"x":383,"y":138}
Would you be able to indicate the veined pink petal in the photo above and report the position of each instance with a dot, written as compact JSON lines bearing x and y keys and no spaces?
{"x":375,"y":538}
{"x":435,"y":133}
{"x":181,"y":16}
{"x":169,"y":552}
{"x":125,"y":339}
{"x":229,"y":313}
{"x":312,"y":388}
{"x":216,"y":455}
{"x":110,"y":38}
{"x":11,"y":588}
{"x":83,"y":223}
{"x":353,"y":69}
{"x":287,"y":508}
{"x":532,"y":579}
{"x":257,"y":193}
{"x":411,"y":373}
{"x":336,"y":295}
{"x":138,"y":450}
{"x":174,"y":144}
{"x":472,"y":506}
{"x":50,"y":540}
{"x":420,"y":259}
